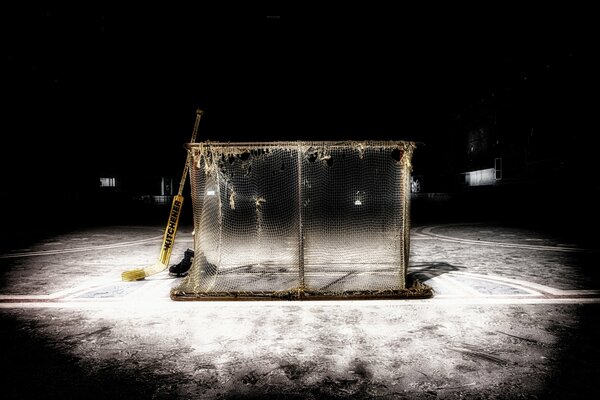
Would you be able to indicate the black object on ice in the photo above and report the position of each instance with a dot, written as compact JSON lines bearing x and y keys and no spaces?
{"x":181,"y":269}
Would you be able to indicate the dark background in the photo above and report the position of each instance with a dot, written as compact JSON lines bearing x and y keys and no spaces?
{"x":98,"y":92}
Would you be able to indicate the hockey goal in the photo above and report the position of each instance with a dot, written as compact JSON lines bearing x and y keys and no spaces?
{"x":289,"y":220}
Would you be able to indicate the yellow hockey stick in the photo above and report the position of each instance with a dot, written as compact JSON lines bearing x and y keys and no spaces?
{"x":171,"y":229}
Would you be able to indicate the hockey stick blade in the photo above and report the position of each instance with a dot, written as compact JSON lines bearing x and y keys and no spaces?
{"x":167,"y":246}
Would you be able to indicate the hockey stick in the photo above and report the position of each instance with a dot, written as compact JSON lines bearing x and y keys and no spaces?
{"x":171,"y":229}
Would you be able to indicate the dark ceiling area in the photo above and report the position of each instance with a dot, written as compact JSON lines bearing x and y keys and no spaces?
{"x":91,"y":90}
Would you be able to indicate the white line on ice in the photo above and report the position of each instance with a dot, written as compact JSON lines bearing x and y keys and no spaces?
{"x":153,"y":290}
{"x":517,"y":283}
{"x":79,"y":249}
{"x":428,"y":231}
{"x":456,"y":285}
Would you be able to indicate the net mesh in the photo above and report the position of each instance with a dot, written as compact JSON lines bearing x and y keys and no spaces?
{"x":299,"y":219}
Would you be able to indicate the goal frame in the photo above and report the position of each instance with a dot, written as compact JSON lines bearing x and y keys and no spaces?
{"x":405,"y":151}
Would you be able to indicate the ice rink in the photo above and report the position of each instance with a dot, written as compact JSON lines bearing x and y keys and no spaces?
{"x":514,"y":316}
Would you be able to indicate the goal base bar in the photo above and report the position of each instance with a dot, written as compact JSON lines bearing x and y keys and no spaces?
{"x":417,"y":291}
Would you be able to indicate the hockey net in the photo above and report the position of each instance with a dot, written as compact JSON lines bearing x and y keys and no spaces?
{"x":287,"y":220}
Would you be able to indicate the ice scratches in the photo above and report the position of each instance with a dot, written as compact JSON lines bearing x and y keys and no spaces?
{"x":263,"y":378}
{"x":520,"y":338}
{"x":476,"y":353}
{"x":251,"y":378}
{"x":295,"y":369}
{"x":98,"y":333}
{"x":360,"y":369}
{"x":456,"y":387}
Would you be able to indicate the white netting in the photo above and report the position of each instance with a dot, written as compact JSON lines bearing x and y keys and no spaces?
{"x":290,"y":219}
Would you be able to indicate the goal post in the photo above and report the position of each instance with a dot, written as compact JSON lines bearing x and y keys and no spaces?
{"x":300,"y":220}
